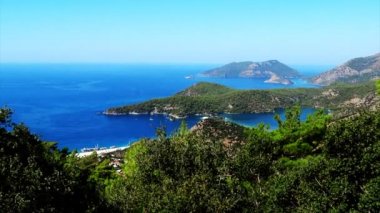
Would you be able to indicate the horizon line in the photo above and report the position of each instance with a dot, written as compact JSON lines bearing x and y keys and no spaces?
{"x":155,"y":63}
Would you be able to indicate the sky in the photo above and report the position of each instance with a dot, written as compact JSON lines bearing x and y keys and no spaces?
{"x":315,"y":32}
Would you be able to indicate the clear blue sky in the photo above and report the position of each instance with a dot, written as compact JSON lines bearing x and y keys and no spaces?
{"x":194,"y":31}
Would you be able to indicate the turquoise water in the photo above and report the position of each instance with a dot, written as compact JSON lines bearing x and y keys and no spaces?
{"x":250,"y":120}
{"x":63,"y":103}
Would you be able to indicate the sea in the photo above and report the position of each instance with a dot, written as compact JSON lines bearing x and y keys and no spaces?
{"x":64,"y":102}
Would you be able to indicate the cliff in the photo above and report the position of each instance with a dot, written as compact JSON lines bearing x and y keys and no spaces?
{"x":353,"y":71}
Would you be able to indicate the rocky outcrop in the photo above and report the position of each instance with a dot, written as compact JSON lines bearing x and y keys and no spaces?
{"x":275,"y":79}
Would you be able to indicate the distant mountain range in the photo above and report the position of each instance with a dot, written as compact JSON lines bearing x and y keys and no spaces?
{"x":353,"y":71}
{"x":273,"y":71}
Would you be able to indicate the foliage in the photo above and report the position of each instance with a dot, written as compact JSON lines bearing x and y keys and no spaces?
{"x":203,"y":88}
{"x":319,"y":165}
{"x":36,"y":176}
{"x":316,"y":165}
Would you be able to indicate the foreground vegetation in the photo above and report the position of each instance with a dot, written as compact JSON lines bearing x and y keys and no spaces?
{"x":36,"y":176}
{"x":314,"y":166}
{"x":208,"y":98}
{"x":319,"y":165}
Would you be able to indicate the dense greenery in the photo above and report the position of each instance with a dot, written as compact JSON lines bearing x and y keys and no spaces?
{"x":208,"y":98}
{"x":317,"y":165}
{"x":35,"y":176}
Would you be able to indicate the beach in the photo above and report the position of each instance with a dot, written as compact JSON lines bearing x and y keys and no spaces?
{"x":102,"y":151}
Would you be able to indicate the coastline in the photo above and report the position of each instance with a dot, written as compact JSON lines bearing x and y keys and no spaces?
{"x":170,"y":115}
{"x":102,"y":151}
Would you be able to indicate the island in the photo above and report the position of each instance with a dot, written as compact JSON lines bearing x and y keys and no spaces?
{"x":272,"y":71}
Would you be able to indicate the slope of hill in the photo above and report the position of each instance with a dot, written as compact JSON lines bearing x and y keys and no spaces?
{"x":355,"y":70}
{"x":207,"y":98}
{"x":273,"y":70}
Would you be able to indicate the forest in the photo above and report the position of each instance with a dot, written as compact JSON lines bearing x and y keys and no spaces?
{"x":323,"y":164}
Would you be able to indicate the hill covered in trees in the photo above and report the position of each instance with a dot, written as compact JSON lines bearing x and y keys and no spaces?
{"x":208,"y":98}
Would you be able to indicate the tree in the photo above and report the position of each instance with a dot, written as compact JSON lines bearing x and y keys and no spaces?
{"x":36,"y":176}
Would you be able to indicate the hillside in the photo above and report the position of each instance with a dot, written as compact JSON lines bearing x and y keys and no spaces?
{"x":273,"y":71}
{"x":201,"y":89}
{"x":207,"y":98}
{"x":317,"y":165}
{"x":355,"y":70}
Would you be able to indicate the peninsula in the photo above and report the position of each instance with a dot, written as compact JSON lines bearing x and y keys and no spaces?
{"x":209,"y":98}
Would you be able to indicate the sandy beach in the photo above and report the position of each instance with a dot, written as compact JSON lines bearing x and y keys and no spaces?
{"x":102,"y":151}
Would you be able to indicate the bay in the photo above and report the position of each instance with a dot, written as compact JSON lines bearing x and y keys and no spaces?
{"x":63,"y":102}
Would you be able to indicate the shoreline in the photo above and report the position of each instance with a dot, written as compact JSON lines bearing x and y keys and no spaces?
{"x":102,"y":151}
{"x":169,"y":115}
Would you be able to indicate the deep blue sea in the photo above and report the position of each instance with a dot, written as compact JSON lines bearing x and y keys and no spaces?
{"x":63,"y":102}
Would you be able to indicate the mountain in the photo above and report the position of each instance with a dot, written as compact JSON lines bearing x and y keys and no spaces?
{"x":273,"y":70}
{"x":355,"y":70}
{"x":209,"y":99}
